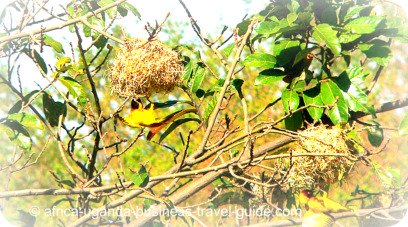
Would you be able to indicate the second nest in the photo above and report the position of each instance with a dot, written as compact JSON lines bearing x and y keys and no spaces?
{"x":321,"y":156}
{"x":143,"y":67}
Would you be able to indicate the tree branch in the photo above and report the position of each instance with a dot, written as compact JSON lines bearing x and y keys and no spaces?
{"x":5,"y":40}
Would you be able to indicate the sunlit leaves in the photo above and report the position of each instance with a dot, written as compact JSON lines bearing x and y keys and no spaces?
{"x":285,"y":51}
{"x":61,"y":63}
{"x":313,"y":99}
{"x":197,"y":77}
{"x":290,"y":100}
{"x":262,"y":60}
{"x":324,"y":33}
{"x":228,"y":49}
{"x":364,"y":25}
{"x":141,"y":178}
{"x":16,"y":132}
{"x":75,"y":89}
{"x":351,"y":82}
{"x":337,"y":105}
{"x":354,"y":12}
{"x":269,"y":76}
{"x":377,"y":50}
{"x":210,"y":107}
{"x":49,"y":41}
{"x":26,"y":119}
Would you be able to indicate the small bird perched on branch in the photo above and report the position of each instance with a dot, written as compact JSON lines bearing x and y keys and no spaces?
{"x":145,"y":116}
{"x":318,"y":209}
{"x":320,"y":204}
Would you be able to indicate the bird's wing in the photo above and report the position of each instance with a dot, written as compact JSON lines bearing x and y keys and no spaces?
{"x":170,"y":103}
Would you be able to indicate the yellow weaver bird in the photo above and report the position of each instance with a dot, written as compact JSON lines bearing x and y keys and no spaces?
{"x":318,"y":209}
{"x":320,"y":204}
{"x":141,"y":116}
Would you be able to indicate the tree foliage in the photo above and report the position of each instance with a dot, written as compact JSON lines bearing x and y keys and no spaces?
{"x":281,"y":92}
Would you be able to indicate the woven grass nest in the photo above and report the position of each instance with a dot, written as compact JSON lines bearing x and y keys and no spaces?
{"x":143,"y":67}
{"x":331,"y":158}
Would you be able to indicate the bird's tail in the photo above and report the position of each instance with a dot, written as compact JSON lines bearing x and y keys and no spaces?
{"x":156,"y":127}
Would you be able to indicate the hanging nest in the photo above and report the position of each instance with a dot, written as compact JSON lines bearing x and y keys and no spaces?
{"x":331,"y":158}
{"x":143,"y":67}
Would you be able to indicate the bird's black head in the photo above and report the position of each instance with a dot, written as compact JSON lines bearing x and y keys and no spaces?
{"x":307,"y":193}
{"x":136,"y":104}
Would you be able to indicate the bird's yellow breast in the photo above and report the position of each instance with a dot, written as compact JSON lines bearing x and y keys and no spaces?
{"x":141,"y":117}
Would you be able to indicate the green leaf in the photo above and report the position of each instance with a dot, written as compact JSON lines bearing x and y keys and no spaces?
{"x":122,"y":11}
{"x":364,"y":25}
{"x":99,"y":41}
{"x":294,"y":122}
{"x":285,"y":51}
{"x":375,"y":135}
{"x":293,"y":6}
{"x":228,"y":49}
{"x":351,"y":82}
{"x":141,"y":179}
{"x":132,"y":9}
{"x":261,"y":60}
{"x":269,"y":76}
{"x":403,"y":128}
{"x":75,"y":89}
{"x":312,"y":97}
{"x":174,"y":125}
{"x":61,"y":63}
{"x":301,"y":55}
{"x":17,"y":107}
{"x":198,"y":77}
{"x":49,"y":41}
{"x":112,"y":11}
{"x":40,"y":61}
{"x":26,"y":119}
{"x":276,"y":26}
{"x":17,"y":133}
{"x":325,"y":33}
{"x":292,"y":17}
{"x":333,"y":98}
{"x":243,"y":27}
{"x":290,"y":100}
{"x":268,"y":28}
{"x":210,"y":107}
{"x":354,"y":12}
{"x":237,"y":84}
{"x":348,"y":37}
{"x":147,"y":203}
{"x":377,"y":50}
{"x":188,"y":68}
{"x":53,"y":110}
{"x":87,"y":30}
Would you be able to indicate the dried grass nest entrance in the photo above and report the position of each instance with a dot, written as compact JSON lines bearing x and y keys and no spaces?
{"x":143,"y":67}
